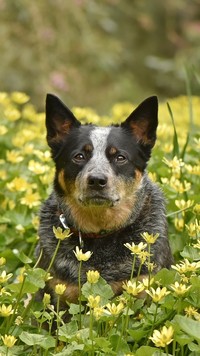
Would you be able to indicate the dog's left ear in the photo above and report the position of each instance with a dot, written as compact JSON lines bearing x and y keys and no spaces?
{"x":143,"y":121}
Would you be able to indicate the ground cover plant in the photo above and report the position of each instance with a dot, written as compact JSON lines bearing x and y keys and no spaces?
{"x":166,"y":321}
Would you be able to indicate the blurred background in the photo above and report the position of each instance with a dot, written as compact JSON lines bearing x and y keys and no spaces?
{"x":95,"y":53}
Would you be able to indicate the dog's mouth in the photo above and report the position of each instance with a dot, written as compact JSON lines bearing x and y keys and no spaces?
{"x":98,"y":200}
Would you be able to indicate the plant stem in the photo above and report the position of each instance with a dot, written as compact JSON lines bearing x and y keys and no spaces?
{"x":91,"y":330}
{"x":16,"y":304}
{"x":133,"y":267}
{"x":53,"y":258}
{"x":79,"y":292}
{"x":57,"y":319}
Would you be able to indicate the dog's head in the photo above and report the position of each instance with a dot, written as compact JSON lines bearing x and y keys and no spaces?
{"x":99,"y":169}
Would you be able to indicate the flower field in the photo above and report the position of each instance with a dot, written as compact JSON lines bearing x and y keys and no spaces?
{"x":166,"y":321}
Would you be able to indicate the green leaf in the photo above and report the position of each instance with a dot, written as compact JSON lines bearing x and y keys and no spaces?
{"x":137,"y":334}
{"x":46,"y":341}
{"x":104,"y":345}
{"x":27,"y":287}
{"x":194,"y":347}
{"x":67,"y":331}
{"x":189,"y":326}
{"x":175,"y":138}
{"x":36,"y":277}
{"x":69,"y":350}
{"x":22,"y":257}
{"x":118,"y":343}
{"x":190,"y":253}
{"x":74,"y":309}
{"x":101,"y":288}
{"x":147,"y":351}
{"x":165,"y":276}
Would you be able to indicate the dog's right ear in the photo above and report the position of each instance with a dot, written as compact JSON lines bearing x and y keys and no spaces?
{"x":59,"y":120}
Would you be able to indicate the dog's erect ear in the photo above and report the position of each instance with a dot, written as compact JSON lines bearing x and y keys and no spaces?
{"x":143,"y":121}
{"x":59,"y":120}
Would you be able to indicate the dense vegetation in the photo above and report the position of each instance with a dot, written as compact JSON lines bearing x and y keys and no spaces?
{"x":167,"y":321}
{"x":97,"y":53}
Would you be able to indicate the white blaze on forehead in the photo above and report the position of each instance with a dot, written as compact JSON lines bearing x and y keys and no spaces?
{"x":99,"y":137}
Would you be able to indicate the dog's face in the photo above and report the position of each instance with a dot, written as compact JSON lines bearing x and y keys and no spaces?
{"x":99,"y":169}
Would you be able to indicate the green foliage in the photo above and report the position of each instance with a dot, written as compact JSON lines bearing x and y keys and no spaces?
{"x":99,"y":52}
{"x":166,"y":320}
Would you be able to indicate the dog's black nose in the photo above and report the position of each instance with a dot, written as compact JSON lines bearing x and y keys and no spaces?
{"x":97,"y":182}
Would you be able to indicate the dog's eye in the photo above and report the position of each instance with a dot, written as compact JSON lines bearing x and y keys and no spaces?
{"x":120,"y":159}
{"x":79,"y":157}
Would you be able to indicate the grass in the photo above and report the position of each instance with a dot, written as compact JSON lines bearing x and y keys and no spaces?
{"x":167,"y":320}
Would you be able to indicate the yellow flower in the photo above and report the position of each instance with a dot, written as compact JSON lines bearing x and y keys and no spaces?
{"x":5,"y":277}
{"x":35,"y":222}
{"x":135,"y":249}
{"x":43,"y":156}
{"x":152,"y":176}
{"x":47,"y":298}
{"x":179,"y":289}
{"x":3,"y":175}
{"x":143,"y":255}
{"x":93,"y":276}
{"x":151,"y":266}
{"x":175,"y":164}
{"x":186,"y":266}
{"x":98,"y":312}
{"x":82,"y":256}
{"x":18,"y":184}
{"x":6,"y":311}
{"x":60,"y":289}
{"x":193,"y":169}
{"x":21,"y":275}
{"x":2,"y":261}
{"x":12,"y":114}
{"x":133,"y":288}
{"x":19,"y":320}
{"x":192,"y":312}
{"x":3,"y":291}
{"x":147,"y":282}
{"x":20,"y":228}
{"x":37,"y":168}
{"x":3,"y":130}
{"x":14,"y":156}
{"x":9,"y":340}
{"x":178,"y":186}
{"x":150,"y":239}
{"x":164,"y":337}
{"x":61,"y":234}
{"x":19,"y":97}
{"x":30,"y":199}
{"x":196,"y":209}
{"x":93,"y":302}
{"x":179,"y":224}
{"x":113,"y":309}
{"x":197,"y":245}
{"x":158,"y":294}
{"x":193,"y":228}
{"x":183,"y":204}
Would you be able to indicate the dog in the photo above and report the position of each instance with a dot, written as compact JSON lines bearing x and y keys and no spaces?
{"x":102,"y":192}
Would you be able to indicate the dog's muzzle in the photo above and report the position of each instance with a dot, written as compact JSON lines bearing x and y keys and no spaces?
{"x":97,"y":192}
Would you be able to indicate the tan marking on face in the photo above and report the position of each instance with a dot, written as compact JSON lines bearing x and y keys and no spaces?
{"x":88,"y":148}
{"x":112,"y":151}
{"x":93,"y":218}
{"x":71,"y":292}
{"x":61,"y":180}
